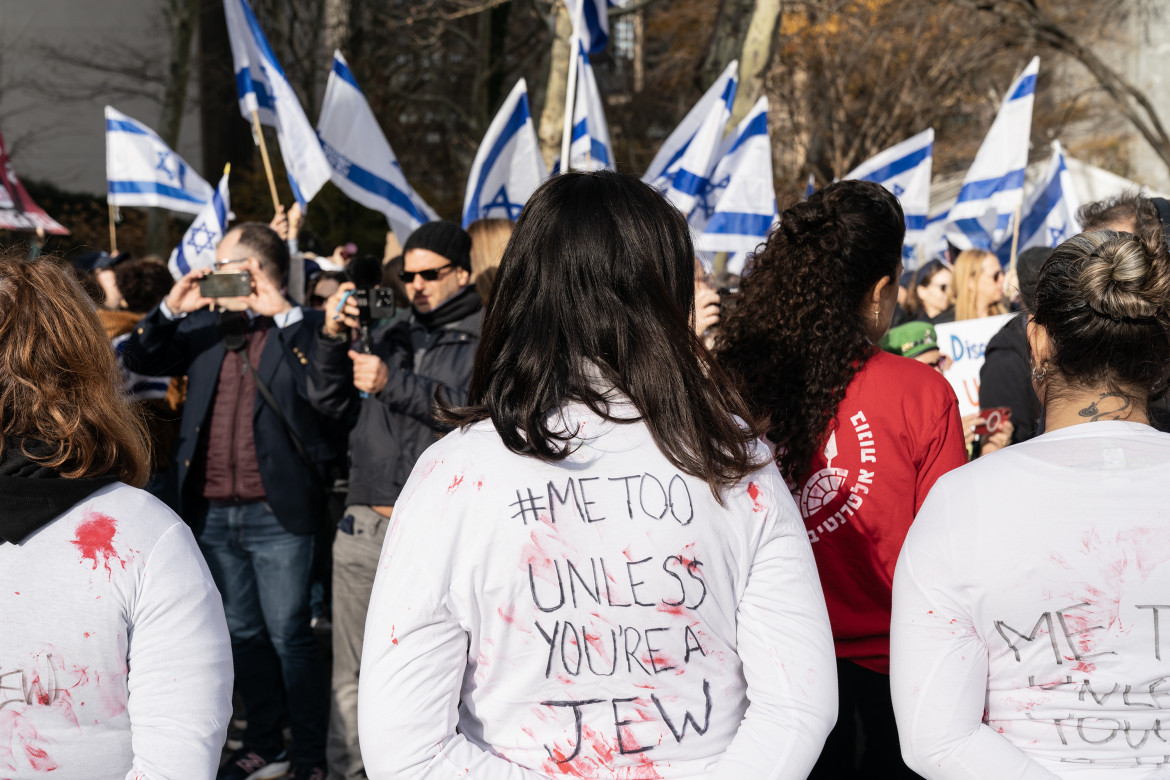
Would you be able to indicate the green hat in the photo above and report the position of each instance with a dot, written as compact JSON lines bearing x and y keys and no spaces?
{"x":910,"y":339}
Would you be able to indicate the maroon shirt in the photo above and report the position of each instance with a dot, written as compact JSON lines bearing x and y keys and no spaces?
{"x":232,"y":468}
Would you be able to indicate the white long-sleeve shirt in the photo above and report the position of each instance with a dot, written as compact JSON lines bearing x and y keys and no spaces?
{"x":604,"y":618}
{"x":114,"y":655}
{"x":1031,"y":604}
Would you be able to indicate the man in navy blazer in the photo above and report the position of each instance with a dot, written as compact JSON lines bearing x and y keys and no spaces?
{"x":253,"y":498}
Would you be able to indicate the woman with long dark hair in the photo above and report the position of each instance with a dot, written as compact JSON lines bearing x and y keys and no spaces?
{"x":114,"y":654}
{"x":599,"y":573}
{"x":931,"y":295}
{"x":860,"y":434}
{"x":1026,"y":639}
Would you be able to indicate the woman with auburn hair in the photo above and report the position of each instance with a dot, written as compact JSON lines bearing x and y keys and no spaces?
{"x":113,"y":628}
{"x":489,"y":238}
{"x":977,"y":285}
{"x":1026,"y":639}
{"x":600,"y":573}
{"x":860,"y":434}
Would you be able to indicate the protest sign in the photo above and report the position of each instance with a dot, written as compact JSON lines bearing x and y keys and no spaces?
{"x":964,"y":343}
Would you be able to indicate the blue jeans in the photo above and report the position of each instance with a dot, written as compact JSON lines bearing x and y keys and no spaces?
{"x":262,"y":572}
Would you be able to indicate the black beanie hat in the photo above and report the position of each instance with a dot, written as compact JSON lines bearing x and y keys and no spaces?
{"x":442,"y":238}
{"x":1028,"y":265}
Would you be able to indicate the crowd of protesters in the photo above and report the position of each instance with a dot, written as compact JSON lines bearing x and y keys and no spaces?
{"x":549,"y":498}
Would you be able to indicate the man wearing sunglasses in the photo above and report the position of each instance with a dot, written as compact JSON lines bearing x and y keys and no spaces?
{"x":391,"y":390}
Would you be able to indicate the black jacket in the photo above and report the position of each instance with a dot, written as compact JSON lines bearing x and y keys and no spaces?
{"x":1006,"y":378}
{"x":193,"y":346}
{"x":395,"y":426}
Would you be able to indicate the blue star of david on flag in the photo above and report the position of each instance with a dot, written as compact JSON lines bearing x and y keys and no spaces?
{"x":898,"y":190}
{"x":164,"y":159}
{"x":500,"y":201}
{"x":200,"y":238}
{"x":1055,"y":235}
{"x":708,"y":196}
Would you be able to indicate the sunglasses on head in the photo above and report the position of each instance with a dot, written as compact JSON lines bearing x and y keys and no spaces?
{"x":429,"y":275}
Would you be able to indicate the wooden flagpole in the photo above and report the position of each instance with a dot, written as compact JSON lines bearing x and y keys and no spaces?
{"x":264,"y":155}
{"x":113,"y":230}
{"x":1015,"y":235}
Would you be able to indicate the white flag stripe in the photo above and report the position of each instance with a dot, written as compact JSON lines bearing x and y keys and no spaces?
{"x":364,"y":166}
{"x":590,"y":148}
{"x":508,"y":167}
{"x":197,"y":249}
{"x":1050,"y":212}
{"x":904,"y":169}
{"x":994,"y":186}
{"x":745,"y":209}
{"x":718,"y":99}
{"x":141,"y":170}
{"x":263,"y":87}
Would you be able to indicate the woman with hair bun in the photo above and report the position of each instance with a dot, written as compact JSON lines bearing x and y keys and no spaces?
{"x":860,"y":434}
{"x":1027,"y":640}
{"x":114,"y":654}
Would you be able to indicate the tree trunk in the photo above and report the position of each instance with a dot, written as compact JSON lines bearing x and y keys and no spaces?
{"x":225,"y":135}
{"x":727,"y":39}
{"x":755,"y":55}
{"x":552,"y":118}
{"x":182,"y":16}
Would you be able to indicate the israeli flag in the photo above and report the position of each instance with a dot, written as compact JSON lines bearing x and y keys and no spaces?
{"x":594,"y":28}
{"x":590,"y":149}
{"x":684,"y":165}
{"x":994,"y":186}
{"x":263,"y":87}
{"x":508,"y":167}
{"x":197,"y":249}
{"x":141,"y":170}
{"x":744,"y":208}
{"x":904,"y":170}
{"x":364,"y":165}
{"x":1050,"y":212}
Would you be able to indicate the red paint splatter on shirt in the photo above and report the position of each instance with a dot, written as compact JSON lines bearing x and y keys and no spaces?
{"x":455,"y":483}
{"x":393,"y":639}
{"x":754,"y":492}
{"x":94,"y":537}
{"x":509,"y":616}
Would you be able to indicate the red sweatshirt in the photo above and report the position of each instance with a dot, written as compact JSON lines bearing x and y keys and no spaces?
{"x":897,"y":431}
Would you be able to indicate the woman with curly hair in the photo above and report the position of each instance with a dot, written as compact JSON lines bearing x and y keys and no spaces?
{"x":860,"y":435}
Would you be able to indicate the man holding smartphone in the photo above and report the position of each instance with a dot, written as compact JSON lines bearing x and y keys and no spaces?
{"x":249,"y":481}
{"x":391,"y":390}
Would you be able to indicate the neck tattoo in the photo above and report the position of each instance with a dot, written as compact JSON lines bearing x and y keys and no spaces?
{"x":1120,"y":402}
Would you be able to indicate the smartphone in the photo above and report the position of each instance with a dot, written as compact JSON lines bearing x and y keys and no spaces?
{"x":993,"y":420}
{"x":226,"y":284}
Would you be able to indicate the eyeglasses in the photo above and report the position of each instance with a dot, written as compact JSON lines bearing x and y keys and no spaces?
{"x":429,"y":275}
